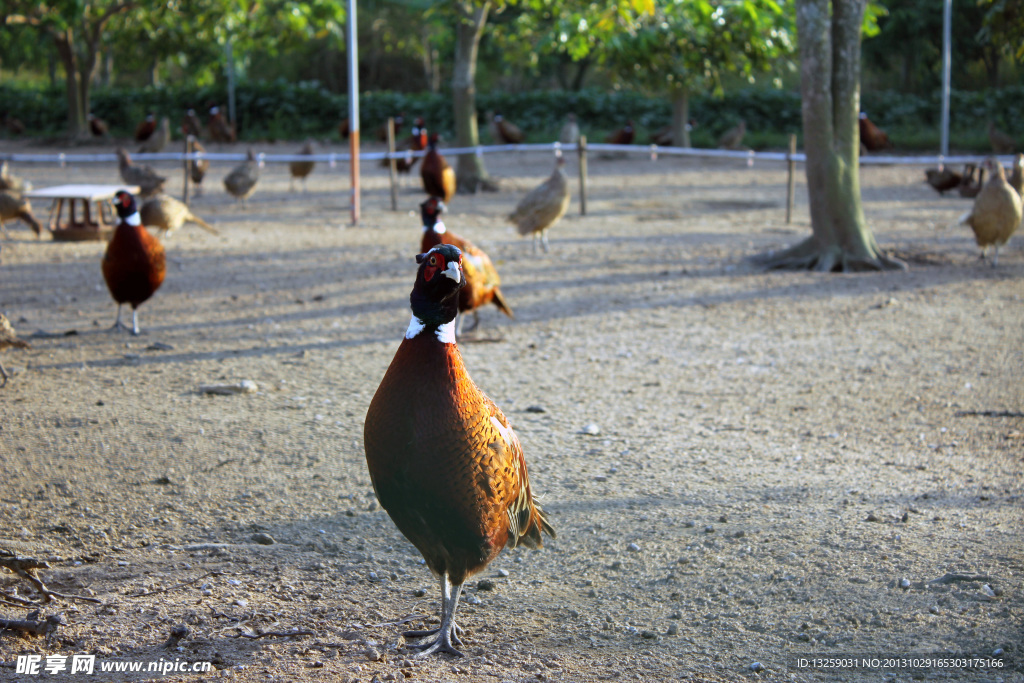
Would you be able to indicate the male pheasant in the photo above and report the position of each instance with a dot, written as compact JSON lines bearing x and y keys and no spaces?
{"x":438,"y":177}
{"x":483,"y":286}
{"x":443,"y":459}
{"x":134,"y":264}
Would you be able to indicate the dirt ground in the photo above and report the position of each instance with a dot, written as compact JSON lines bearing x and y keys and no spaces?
{"x":745,"y":469}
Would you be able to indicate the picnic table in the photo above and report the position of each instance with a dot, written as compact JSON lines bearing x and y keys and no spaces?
{"x":85,"y":223}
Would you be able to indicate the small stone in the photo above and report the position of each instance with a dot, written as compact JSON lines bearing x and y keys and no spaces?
{"x":739,"y":534}
{"x":373,"y":654}
{"x":633,"y":548}
{"x":998,"y":652}
{"x":206,"y":592}
{"x":871,"y":518}
{"x":234,"y":582}
{"x":246,"y":386}
{"x":689,"y":524}
{"x":987,"y":590}
{"x":473,"y":600}
{"x":240,"y":602}
{"x":485,"y":585}
{"x":503,"y":572}
{"x":673,"y":629}
{"x":709,"y":529}
{"x":159,"y":346}
{"x":591,"y":593}
{"x":757,"y":667}
{"x":536,"y":409}
{"x":904,"y":584}
{"x":933,"y":609}
{"x":374,"y":577}
{"x":419,"y":592}
{"x":723,"y":519}
{"x":591,"y":429}
{"x":263,"y":539}
{"x":649,"y":635}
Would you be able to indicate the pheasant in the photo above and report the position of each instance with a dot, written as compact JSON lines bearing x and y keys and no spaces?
{"x":190,"y":124}
{"x":197,"y":168}
{"x":443,"y":459}
{"x":438,"y":177}
{"x":503,"y":131}
{"x":134,"y":263}
{"x":149,"y":181}
{"x":8,"y":339}
{"x":543,"y":206}
{"x":972,"y":181}
{"x":732,"y":138}
{"x":97,"y":126}
{"x":160,"y":138}
{"x":167,"y":214}
{"x":241,"y":182}
{"x":483,"y":286}
{"x":1017,"y":175}
{"x":301,"y":169}
{"x":15,"y":206}
{"x":996,"y":212}
{"x":416,"y":142}
{"x":622,"y":136}
{"x":12,"y":183}
{"x":145,"y":128}
{"x":943,"y":179}
{"x":220,"y":130}
{"x":872,"y":138}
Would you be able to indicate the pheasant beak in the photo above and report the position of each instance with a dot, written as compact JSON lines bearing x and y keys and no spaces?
{"x":454,"y":271}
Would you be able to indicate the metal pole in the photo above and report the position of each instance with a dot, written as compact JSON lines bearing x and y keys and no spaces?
{"x":392,"y":164}
{"x":353,"y":107}
{"x":583,"y":174}
{"x":791,"y":184}
{"x":947,"y":60}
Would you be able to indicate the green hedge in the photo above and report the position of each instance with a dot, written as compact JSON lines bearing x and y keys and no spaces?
{"x":286,"y":110}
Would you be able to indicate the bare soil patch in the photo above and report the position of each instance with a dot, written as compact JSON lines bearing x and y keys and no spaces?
{"x":783,"y":465}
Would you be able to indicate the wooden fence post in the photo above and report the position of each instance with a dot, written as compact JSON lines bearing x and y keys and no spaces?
{"x":188,"y":171}
{"x":791,"y":186}
{"x":392,"y":164}
{"x":583,"y":174}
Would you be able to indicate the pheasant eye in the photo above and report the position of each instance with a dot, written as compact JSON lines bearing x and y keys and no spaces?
{"x":433,"y":260}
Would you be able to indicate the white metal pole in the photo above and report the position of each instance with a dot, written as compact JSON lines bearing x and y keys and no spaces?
{"x":947,"y":59}
{"x":353,"y":107}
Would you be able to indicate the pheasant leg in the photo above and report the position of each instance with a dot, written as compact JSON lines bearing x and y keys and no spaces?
{"x":3,"y":373}
{"x":995,"y":256}
{"x":544,"y":240}
{"x":135,"y":322}
{"x":118,"y":325}
{"x":446,"y":633}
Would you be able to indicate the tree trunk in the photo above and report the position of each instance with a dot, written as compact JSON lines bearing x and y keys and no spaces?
{"x":66,"y":53}
{"x":830,"y":90}
{"x":680,"y":115}
{"x":470,"y":172}
{"x":581,"y":72}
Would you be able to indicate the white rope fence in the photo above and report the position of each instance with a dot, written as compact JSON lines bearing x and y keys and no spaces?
{"x":333,"y":159}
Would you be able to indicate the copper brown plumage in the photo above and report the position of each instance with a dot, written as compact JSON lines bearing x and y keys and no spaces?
{"x":443,"y":459}
{"x":134,"y":264}
{"x":943,"y":179}
{"x":97,"y":126}
{"x":159,"y":139}
{"x":438,"y":177}
{"x":190,"y":124}
{"x":197,"y":168}
{"x":220,"y":129}
{"x":503,"y":131}
{"x":8,"y":340}
{"x":416,"y":141}
{"x":483,"y":286}
{"x":873,"y":138}
{"x":145,"y":128}
{"x":301,"y":169}
{"x":997,"y":211}
{"x":622,"y":136}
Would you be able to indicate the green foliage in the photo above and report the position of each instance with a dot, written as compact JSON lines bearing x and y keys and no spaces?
{"x":279,"y":109}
